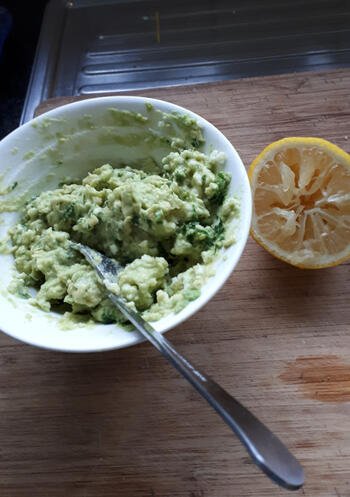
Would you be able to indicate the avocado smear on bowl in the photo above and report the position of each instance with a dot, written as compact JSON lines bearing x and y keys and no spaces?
{"x":166,"y":225}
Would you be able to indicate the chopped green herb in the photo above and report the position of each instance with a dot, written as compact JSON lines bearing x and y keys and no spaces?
{"x":222,"y":180}
{"x":69,"y":212}
{"x":107,"y":318}
{"x":135,"y":219}
{"x":194,"y":213}
{"x":179,"y":176}
{"x":23,"y":294}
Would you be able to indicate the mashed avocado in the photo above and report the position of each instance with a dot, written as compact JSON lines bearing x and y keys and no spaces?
{"x":165,"y":227}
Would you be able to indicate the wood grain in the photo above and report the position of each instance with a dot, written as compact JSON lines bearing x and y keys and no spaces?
{"x":124,"y":423}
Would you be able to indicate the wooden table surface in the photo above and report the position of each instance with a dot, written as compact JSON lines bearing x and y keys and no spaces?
{"x":124,"y":423}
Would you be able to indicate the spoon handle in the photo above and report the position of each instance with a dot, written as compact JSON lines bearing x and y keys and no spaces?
{"x":267,"y":451}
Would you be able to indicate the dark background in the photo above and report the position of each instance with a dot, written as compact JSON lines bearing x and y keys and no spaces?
{"x":17,"y":58}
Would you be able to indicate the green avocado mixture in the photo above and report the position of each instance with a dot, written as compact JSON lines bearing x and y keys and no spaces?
{"x":166,"y":228}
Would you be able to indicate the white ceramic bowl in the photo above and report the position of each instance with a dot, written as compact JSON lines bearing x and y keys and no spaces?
{"x":27,"y":157}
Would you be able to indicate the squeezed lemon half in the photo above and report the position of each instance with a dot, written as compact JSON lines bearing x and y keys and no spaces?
{"x":301,"y":202}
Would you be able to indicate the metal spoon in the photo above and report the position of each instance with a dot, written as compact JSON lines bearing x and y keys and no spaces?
{"x":266,"y":450}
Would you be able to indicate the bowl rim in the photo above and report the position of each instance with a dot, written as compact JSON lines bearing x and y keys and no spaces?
{"x":164,"y":106}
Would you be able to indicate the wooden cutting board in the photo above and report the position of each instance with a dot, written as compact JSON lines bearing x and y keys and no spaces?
{"x":124,"y":423}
